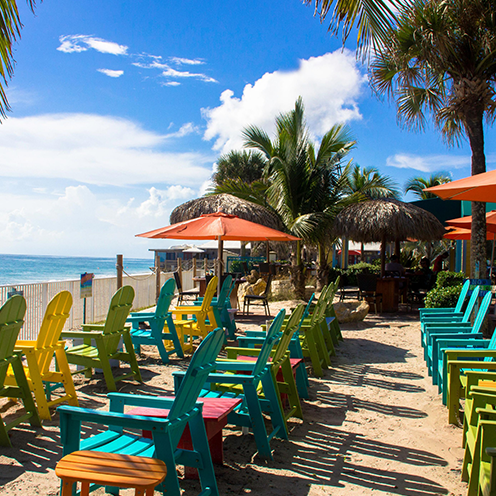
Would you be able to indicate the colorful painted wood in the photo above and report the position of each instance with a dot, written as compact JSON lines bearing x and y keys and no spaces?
{"x":109,"y":469}
{"x":39,"y":356}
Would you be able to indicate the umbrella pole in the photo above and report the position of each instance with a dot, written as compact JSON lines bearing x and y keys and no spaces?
{"x":383,"y":257}
{"x":220,"y":249}
{"x":492,"y":257}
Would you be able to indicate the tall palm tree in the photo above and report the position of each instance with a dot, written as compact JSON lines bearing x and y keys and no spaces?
{"x":300,"y":177}
{"x":10,"y":30}
{"x":440,"y":59}
{"x":417,"y":185}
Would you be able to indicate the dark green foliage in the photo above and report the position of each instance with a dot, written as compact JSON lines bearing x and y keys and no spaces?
{"x":348,"y":276}
{"x":246,"y":166}
{"x":447,"y":278}
{"x":443,"y":297}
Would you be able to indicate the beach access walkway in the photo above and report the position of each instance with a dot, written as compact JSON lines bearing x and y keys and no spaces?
{"x":374,"y":424}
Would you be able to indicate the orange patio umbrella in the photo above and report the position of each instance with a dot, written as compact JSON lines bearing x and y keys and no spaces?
{"x":466,"y":222}
{"x":481,"y":187}
{"x":219,"y":226}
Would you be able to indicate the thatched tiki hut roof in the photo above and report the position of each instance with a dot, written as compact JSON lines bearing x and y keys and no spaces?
{"x":228,"y":204}
{"x":387,"y":220}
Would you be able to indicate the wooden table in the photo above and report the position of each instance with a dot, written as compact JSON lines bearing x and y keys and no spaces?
{"x":110,"y":469}
{"x":202,"y":284}
{"x":215,"y":411}
{"x":390,"y":289}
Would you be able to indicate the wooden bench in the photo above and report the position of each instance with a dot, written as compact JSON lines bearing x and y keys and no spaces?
{"x":110,"y":469}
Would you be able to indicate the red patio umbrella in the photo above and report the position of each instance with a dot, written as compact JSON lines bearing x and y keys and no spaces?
{"x":219,"y":226}
{"x":481,"y":187}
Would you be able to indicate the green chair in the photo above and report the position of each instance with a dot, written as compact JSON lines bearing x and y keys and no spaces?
{"x":101,"y":342}
{"x":184,"y":411}
{"x":149,"y":328}
{"x":11,"y":320}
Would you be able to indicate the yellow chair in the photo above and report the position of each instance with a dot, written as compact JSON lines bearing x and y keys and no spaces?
{"x":198,"y":325}
{"x":40,"y":353}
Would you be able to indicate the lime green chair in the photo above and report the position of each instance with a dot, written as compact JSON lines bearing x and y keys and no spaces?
{"x":101,"y":342}
{"x":11,"y":320}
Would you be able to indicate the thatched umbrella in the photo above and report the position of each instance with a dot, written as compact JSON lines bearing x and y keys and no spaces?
{"x":385,"y":221}
{"x":229,"y":204}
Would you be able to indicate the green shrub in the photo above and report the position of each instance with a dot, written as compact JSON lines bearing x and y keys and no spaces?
{"x":442,"y":297}
{"x":446,"y":278}
{"x":348,"y":276}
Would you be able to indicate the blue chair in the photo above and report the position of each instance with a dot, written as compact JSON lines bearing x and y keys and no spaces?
{"x":457,"y":309}
{"x":148,"y":328}
{"x":243,"y":379}
{"x":166,"y":432}
{"x":446,"y":327}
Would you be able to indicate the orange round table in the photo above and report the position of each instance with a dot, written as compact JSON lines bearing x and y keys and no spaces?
{"x":110,"y":469}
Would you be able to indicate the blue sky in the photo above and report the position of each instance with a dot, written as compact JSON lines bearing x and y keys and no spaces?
{"x":120,"y":110}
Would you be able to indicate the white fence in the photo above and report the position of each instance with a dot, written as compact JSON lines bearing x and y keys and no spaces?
{"x":39,"y":294}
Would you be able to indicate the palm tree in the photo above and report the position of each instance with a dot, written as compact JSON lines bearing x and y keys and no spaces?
{"x":440,"y":59}
{"x":244,"y":165}
{"x":10,"y":30}
{"x":370,"y":183}
{"x":417,"y":185}
{"x":300,"y":177}
{"x":372,"y":18}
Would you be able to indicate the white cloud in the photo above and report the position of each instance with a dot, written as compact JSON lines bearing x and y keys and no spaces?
{"x":82,"y":221}
{"x":429,"y":163}
{"x":81,"y":42}
{"x":329,"y":85}
{"x":95,"y":149}
{"x":111,"y":73}
{"x":182,"y":61}
{"x":171,"y":83}
{"x":169,"y":72}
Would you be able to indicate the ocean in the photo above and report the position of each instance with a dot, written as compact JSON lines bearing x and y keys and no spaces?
{"x":22,"y":269}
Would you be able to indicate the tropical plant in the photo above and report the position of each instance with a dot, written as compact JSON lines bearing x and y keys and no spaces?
{"x":372,"y":18}
{"x":417,"y":185}
{"x":10,"y":31}
{"x":246,"y":166}
{"x":370,"y":183}
{"x":440,"y":59}
{"x":302,"y":180}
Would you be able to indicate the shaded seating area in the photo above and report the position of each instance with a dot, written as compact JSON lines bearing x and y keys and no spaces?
{"x":187,"y":294}
{"x":261,"y":299}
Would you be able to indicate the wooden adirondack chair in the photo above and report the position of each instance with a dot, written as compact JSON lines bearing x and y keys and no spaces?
{"x":280,"y":365}
{"x":254,"y":339}
{"x":166,"y":432}
{"x":106,"y":338}
{"x":330,"y":313}
{"x":221,"y":306}
{"x":433,"y":330}
{"x":457,"y":361}
{"x":11,"y":320}
{"x":479,"y":441}
{"x":159,"y":325}
{"x":470,"y":337}
{"x":249,"y":414}
{"x":203,"y":320}
{"x":40,"y":354}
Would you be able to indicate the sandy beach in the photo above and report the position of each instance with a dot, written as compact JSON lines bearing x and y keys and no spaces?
{"x":374,"y":424}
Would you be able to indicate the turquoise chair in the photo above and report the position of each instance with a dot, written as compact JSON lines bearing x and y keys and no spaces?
{"x":184,"y":411}
{"x":155,"y":324}
{"x":250,"y":376}
{"x":457,"y":309}
{"x":446,"y":327}
{"x":255,"y":339}
{"x":463,"y":340}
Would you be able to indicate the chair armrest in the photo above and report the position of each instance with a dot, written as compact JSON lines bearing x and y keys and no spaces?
{"x":473,"y":353}
{"x":233,"y":352}
{"x":234,"y":366}
{"x":92,"y":327}
{"x":80,"y":334}
{"x":122,"y":399}
{"x":141,"y":316}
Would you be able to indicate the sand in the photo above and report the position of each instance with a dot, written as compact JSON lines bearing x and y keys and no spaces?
{"x":374,"y":424}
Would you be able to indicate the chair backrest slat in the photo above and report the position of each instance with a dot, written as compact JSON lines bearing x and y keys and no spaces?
{"x":119,"y":308}
{"x":463,"y":295}
{"x":291,"y":326}
{"x":209,"y":294}
{"x":471,"y":304}
{"x":11,"y":320}
{"x":165,"y":299}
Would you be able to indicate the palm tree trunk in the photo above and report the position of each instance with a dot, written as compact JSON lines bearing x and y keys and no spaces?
{"x":323,"y":268}
{"x":478,"y":262}
{"x":298,"y":273}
